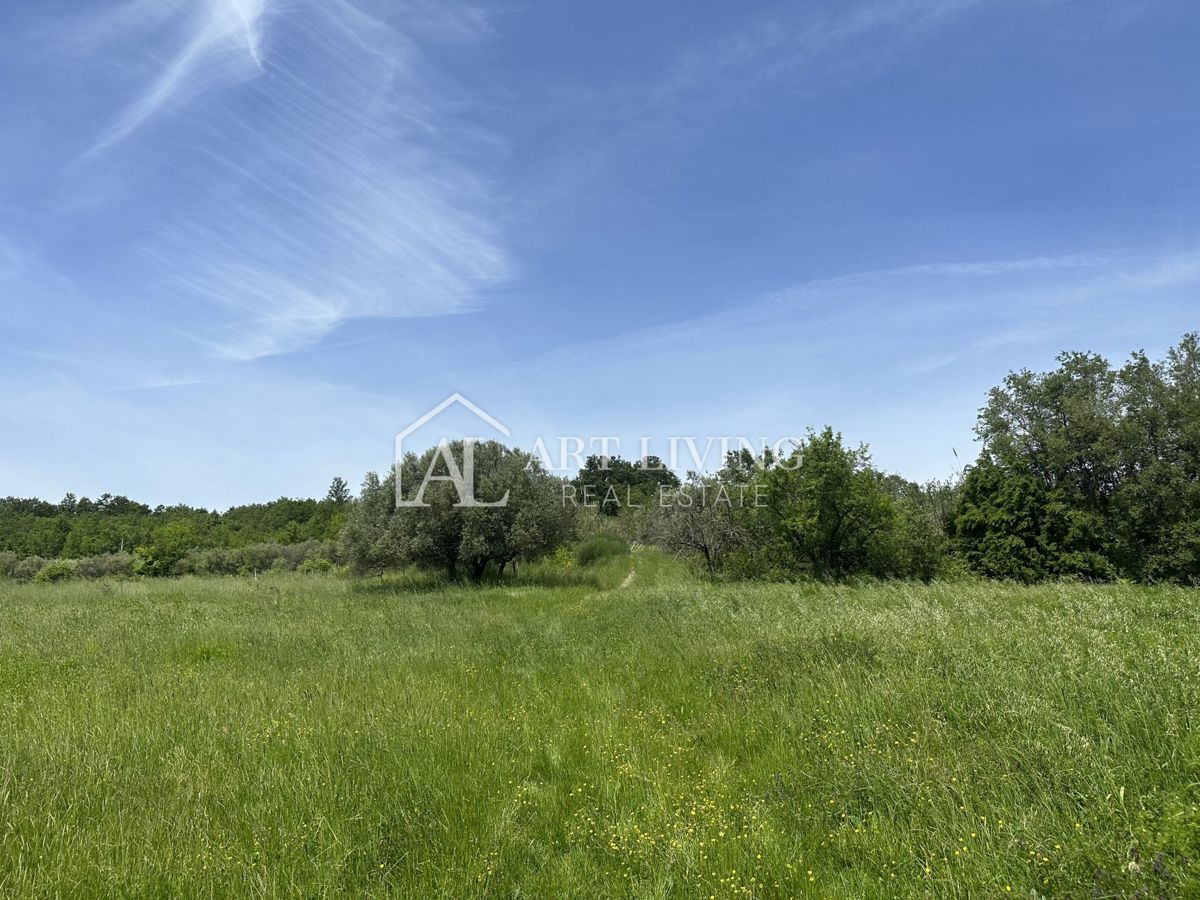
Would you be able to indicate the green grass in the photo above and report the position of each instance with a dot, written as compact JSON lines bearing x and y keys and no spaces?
{"x":568,"y":736}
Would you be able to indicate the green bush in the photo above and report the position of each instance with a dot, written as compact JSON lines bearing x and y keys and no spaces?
{"x":106,"y":565}
{"x":58,"y":570}
{"x":562,"y":558}
{"x":28,"y":568}
{"x":8,"y":563}
{"x":600,"y":546}
{"x":258,"y":559}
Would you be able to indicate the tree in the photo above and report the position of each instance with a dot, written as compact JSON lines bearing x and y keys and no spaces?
{"x":171,"y":542}
{"x":1037,"y":503}
{"x":1089,"y":471}
{"x":830,"y":508}
{"x":79,"y":527}
{"x":701,"y":518}
{"x":998,"y":527}
{"x":1157,"y":504}
{"x":916,"y":547}
{"x":612,"y":484}
{"x":367,"y":541}
{"x":339,"y":492}
{"x":445,"y":533}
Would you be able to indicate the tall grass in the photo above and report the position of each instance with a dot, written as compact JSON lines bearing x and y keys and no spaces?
{"x":313,"y":736}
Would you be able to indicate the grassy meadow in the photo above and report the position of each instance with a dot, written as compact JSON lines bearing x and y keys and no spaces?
{"x":597,"y":734}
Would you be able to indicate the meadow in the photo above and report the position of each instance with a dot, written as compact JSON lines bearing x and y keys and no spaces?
{"x":621,"y":731}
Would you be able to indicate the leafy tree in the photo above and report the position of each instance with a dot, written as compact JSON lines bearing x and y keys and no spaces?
{"x":1089,"y":471}
{"x":445,"y":533}
{"x":830,"y":508}
{"x":369,"y":541}
{"x":1157,"y":505}
{"x":743,"y":467}
{"x":613,"y":484}
{"x":339,"y":492}
{"x":999,"y":524}
{"x":917,"y":545}
{"x":171,"y":542}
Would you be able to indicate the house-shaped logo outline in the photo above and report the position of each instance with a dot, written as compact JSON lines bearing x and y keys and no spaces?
{"x":454,"y":399}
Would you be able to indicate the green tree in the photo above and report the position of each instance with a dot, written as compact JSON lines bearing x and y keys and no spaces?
{"x":1089,"y":471}
{"x":831,"y":509}
{"x":443,"y":532}
{"x":612,"y":484}
{"x":339,"y":492}
{"x":171,"y":543}
{"x":1157,"y":504}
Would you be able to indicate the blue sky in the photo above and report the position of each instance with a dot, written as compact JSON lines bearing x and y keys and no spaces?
{"x":244,"y":242}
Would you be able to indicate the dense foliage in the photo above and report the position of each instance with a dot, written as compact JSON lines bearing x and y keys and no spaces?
{"x":1089,"y":471}
{"x":1086,"y":472}
{"x":116,"y":535}
{"x":612,"y":484}
{"x":444,"y":533}
{"x":824,"y":511}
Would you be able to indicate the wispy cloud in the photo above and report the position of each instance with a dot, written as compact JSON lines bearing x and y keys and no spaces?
{"x":210,"y":44}
{"x":314,"y":171}
{"x":813,"y":51}
{"x":901,"y":322}
{"x":805,"y":51}
{"x":808,"y":50}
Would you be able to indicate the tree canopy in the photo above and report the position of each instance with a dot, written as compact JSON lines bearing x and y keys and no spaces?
{"x":443,"y":532}
{"x":1089,"y":471}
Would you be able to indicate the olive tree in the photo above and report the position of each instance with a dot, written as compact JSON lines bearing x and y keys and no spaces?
{"x":519,"y":515}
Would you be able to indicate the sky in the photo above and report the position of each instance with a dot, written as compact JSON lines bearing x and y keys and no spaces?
{"x":244,"y":243}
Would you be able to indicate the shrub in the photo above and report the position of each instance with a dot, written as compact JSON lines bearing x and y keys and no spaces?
{"x":58,"y":570}
{"x":28,"y":568}
{"x":8,"y":563}
{"x":106,"y":565}
{"x":215,"y":561}
{"x":600,"y":546}
{"x":257,"y":559}
{"x":562,"y":558}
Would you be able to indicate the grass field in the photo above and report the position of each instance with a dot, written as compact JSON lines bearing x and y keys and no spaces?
{"x":605,"y":736}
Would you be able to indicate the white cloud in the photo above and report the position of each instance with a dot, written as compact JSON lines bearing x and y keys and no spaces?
{"x":312,"y":171}
{"x":208,"y":45}
{"x":832,"y":335}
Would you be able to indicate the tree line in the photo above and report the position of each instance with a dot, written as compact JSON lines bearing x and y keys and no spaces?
{"x":1087,"y":471}
{"x":114,"y":535}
